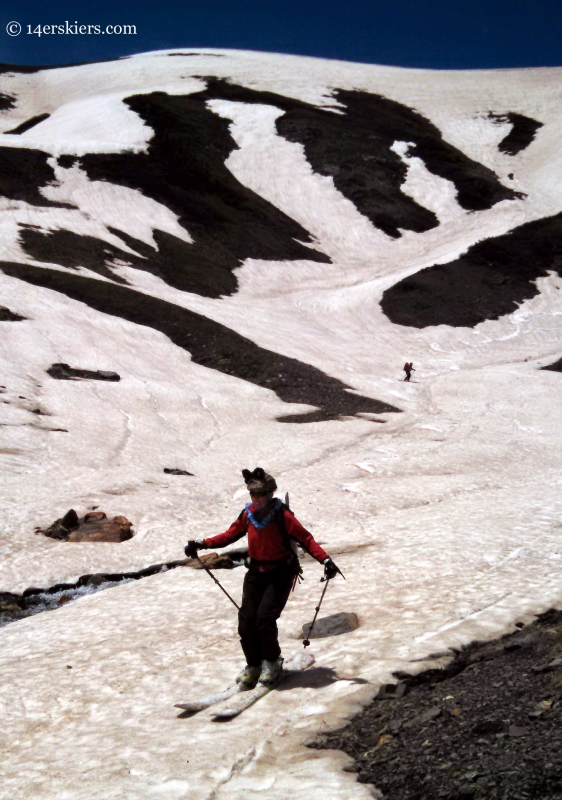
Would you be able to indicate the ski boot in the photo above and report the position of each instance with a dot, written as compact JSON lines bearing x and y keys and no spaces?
{"x":271,"y":671}
{"x":249,"y":677}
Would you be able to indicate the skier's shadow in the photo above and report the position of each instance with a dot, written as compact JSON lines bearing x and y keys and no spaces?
{"x":186,"y":714}
{"x":314,"y":678}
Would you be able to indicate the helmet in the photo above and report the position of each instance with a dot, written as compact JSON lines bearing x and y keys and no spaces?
{"x":259,"y":480}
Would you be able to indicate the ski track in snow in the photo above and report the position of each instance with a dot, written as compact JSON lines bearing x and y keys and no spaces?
{"x":446,"y":519}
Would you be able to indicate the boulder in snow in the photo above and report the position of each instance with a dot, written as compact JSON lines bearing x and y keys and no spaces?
{"x":93,"y":527}
{"x":333,"y":625}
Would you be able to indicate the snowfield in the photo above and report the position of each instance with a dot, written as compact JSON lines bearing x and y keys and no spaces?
{"x":444,"y":512}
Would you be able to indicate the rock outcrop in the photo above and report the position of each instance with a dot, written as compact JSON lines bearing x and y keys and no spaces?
{"x":175,"y":471}
{"x":64,"y":372}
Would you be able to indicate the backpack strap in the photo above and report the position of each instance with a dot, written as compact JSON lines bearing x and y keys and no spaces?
{"x":287,"y":541}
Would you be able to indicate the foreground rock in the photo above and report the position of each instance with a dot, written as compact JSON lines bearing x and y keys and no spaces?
{"x":93,"y":527}
{"x":488,"y":726}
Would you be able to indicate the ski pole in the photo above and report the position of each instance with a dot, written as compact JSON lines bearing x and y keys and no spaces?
{"x":208,"y":571}
{"x":306,"y":642}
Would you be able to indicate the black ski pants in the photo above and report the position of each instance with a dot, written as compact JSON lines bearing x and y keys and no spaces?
{"x":264,"y":597}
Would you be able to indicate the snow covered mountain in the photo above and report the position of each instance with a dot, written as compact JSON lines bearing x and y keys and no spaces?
{"x":256,"y":243}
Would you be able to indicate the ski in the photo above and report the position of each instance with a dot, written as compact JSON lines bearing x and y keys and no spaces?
{"x":210,"y":700}
{"x":240,"y":702}
{"x":202,"y":703}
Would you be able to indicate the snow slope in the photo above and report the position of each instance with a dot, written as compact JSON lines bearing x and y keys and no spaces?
{"x":237,"y":217}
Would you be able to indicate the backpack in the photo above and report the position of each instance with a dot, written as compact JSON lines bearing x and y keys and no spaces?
{"x":290,"y":544}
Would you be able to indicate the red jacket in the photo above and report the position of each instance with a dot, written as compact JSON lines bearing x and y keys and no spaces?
{"x":266,"y":544}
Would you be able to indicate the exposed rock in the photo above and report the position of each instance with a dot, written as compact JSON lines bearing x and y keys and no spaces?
{"x":422,"y":719}
{"x":28,"y":124}
{"x":212,"y":561}
{"x":23,"y":173}
{"x":10,"y":603}
{"x":62,"y":528}
{"x":552,"y":665}
{"x":525,"y":641}
{"x":117,"y":529}
{"x":7,"y":101}
{"x":518,"y":730}
{"x":8,"y":316}
{"x":555,"y":367}
{"x":63,"y":372}
{"x":489,"y":726}
{"x":390,"y":691}
{"x":93,"y":527}
{"x":94,"y":516}
{"x":170,"y":471}
{"x":334,"y":625}
{"x":521,"y":135}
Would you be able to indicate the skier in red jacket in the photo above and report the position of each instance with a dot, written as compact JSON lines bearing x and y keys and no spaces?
{"x":274,"y":566}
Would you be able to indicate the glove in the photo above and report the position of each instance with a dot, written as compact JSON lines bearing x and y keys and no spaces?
{"x":192,"y":547}
{"x":331,"y":570}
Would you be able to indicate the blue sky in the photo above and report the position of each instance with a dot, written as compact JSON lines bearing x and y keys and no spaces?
{"x":440,"y":34}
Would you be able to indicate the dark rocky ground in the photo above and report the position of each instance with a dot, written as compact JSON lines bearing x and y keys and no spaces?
{"x":491,"y":279}
{"x":487,"y":727}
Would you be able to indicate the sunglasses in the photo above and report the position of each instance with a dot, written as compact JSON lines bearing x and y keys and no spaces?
{"x":258,"y":494}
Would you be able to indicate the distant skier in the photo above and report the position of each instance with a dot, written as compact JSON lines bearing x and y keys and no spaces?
{"x":408,"y":369}
{"x":273,"y":570}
